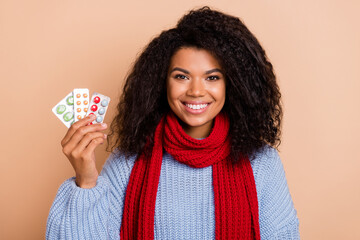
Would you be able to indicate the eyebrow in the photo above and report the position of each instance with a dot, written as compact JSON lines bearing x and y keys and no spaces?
{"x":187,"y":72}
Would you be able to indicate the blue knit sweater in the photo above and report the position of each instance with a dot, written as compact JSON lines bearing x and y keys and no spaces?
{"x":184,"y":203}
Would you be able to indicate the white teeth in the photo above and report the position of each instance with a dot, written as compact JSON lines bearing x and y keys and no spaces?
{"x":199,"y":106}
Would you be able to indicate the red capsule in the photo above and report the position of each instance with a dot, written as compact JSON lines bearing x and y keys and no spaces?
{"x":96,"y":99}
{"x":93,"y":108}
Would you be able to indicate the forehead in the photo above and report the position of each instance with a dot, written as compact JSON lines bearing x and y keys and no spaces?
{"x":191,"y":57}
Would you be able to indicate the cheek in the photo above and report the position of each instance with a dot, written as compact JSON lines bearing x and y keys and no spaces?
{"x":218,"y":92}
{"x":171,"y":95}
{"x":174,"y":91}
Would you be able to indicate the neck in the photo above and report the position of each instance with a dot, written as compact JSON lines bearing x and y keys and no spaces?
{"x":202,"y":131}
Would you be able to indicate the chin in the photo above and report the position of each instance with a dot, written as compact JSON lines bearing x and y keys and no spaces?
{"x":195,"y":122}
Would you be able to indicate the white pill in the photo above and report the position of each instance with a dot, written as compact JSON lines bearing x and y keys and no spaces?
{"x":104,"y":103}
{"x":101,"y":111}
{"x":99,"y":119}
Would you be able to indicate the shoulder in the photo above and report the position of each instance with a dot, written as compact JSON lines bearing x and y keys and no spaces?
{"x":267,"y":152}
{"x":268,"y":170}
{"x":118,"y":167}
{"x":117,"y":157}
{"x":276,"y":208}
{"x":269,"y":173}
{"x":265,"y":160}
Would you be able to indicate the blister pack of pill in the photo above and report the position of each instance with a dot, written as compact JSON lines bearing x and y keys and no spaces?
{"x":64,"y":110}
{"x":76,"y":105}
{"x":81,"y":102}
{"x":98,"y":105}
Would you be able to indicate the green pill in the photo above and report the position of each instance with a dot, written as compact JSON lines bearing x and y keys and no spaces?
{"x":70,"y":100}
{"x":60,"y":109}
{"x":68,"y":116}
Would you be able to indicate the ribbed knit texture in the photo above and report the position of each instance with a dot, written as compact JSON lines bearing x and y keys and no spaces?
{"x":184,"y":205}
{"x":236,"y":206}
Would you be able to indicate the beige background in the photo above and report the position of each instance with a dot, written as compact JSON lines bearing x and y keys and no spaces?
{"x":47,"y":48}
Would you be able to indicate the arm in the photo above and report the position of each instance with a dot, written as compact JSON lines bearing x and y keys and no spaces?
{"x":277,"y":215}
{"x":93,"y":213}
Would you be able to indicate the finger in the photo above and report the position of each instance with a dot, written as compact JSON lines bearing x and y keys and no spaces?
{"x":82,"y":137}
{"x":75,"y":127}
{"x":85,"y":141}
{"x":91,"y":147}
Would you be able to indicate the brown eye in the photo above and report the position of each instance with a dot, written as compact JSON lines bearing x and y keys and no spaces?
{"x":213,"y":77}
{"x":180,"y":76}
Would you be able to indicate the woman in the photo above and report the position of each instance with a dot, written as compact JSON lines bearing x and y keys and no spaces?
{"x":195,"y":138}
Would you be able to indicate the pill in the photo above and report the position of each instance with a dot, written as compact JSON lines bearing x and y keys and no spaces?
{"x":68,"y":116}
{"x":60,"y":109}
{"x":98,"y":106}
{"x":96,"y":99}
{"x":85,"y":109}
{"x":104,"y":103}
{"x":101,"y":111}
{"x":64,"y":110}
{"x":70,"y":100}
{"x":82,"y":102}
{"x":94,"y":108}
{"x":99,"y":119}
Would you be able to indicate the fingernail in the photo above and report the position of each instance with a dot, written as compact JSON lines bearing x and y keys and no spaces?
{"x":92,"y":116}
{"x":103,"y":124}
{"x":105,"y":136}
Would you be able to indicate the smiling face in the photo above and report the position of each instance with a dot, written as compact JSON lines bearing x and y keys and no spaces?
{"x":195,"y":89}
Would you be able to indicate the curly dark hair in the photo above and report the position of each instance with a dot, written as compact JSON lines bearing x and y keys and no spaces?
{"x":252,"y":94}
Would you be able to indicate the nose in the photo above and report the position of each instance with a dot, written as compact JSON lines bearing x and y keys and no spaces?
{"x":196,"y":88}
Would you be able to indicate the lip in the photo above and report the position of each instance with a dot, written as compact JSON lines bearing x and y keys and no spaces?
{"x":195,"y":111}
{"x":194,"y":102}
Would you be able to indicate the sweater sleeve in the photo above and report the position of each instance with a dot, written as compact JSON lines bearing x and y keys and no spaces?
{"x":95,"y":213}
{"x":277,"y":215}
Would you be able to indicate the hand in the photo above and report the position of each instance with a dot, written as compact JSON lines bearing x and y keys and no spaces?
{"x":79,"y":145}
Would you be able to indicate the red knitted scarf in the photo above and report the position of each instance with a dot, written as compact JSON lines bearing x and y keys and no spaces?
{"x":235,"y":198}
